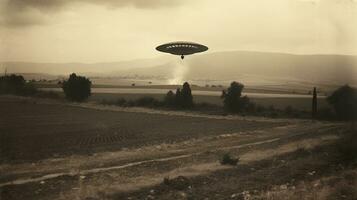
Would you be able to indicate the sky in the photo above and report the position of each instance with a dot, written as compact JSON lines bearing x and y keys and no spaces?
{"x":116,"y":30}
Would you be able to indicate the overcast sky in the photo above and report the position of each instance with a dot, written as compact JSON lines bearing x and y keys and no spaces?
{"x":115,"y":30}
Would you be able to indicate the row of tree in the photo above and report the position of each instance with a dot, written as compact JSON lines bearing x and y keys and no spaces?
{"x":78,"y":88}
{"x":232,"y":98}
{"x":343,"y":100}
{"x":182,"y":98}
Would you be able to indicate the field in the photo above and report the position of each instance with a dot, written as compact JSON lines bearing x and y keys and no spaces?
{"x":297,"y":103}
{"x":57,"y":150}
{"x":57,"y":129}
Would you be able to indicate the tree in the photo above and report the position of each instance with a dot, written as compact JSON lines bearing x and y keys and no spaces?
{"x":233,"y":100}
{"x":186,"y":96}
{"x":77,"y":88}
{"x":12,"y":84}
{"x":344,"y":102}
{"x":170,"y":98}
{"x":181,"y":99}
{"x":314,"y":103}
{"x":178,"y":97}
{"x":16,"y":84}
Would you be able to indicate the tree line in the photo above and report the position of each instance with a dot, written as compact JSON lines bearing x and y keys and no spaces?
{"x":78,"y":88}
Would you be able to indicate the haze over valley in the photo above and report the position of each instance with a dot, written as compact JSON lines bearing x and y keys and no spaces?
{"x":252,"y":68}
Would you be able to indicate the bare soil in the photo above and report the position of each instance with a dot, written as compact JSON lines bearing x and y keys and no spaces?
{"x":54,"y":150}
{"x":32,"y":131}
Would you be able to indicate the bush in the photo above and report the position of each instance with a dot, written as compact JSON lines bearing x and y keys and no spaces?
{"x":346,"y":148}
{"x":29,"y":90}
{"x":170,"y":98}
{"x":120,"y":102}
{"x":344,"y":102}
{"x":16,"y":84}
{"x":233,"y":100}
{"x":260,"y":108}
{"x":288,"y":110}
{"x":48,"y":94}
{"x":147,"y":102}
{"x":227,"y":159}
{"x":178,"y":183}
{"x":326,"y":113}
{"x":141,"y":102}
{"x":77,"y":88}
{"x":11,"y":84}
{"x":343,"y":190}
{"x":251,"y":107}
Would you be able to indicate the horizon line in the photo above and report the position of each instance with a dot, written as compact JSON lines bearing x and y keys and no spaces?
{"x":156,"y":57}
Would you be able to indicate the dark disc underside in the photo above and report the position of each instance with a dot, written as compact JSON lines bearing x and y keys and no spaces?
{"x":182,"y":48}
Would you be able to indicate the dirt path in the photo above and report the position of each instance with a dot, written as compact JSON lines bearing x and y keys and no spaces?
{"x":75,"y":164}
{"x":196,"y":158}
{"x":133,"y":164}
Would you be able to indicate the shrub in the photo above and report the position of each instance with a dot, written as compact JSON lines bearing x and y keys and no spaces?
{"x":344,"y":102}
{"x":251,"y":107}
{"x":16,"y":84}
{"x":77,"y":88}
{"x":227,"y":159}
{"x":271,"y":108}
{"x":48,"y":94}
{"x":170,"y":98}
{"x":130,"y":103}
{"x":343,"y":191}
{"x":11,"y":84}
{"x":120,"y":102}
{"x":326,"y":113}
{"x":289,"y":110}
{"x":260,"y":108}
{"x":233,"y":100}
{"x":346,"y":148}
{"x":178,"y":183}
{"x":147,"y":102}
{"x":141,"y":102}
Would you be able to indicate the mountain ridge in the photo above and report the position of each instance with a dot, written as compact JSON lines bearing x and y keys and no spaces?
{"x":225,"y":65}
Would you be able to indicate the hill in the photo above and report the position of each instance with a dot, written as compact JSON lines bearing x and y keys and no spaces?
{"x":251,"y":67}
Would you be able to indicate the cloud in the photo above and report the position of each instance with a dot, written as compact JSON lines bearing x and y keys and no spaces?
{"x":20,"y":13}
{"x":57,"y":4}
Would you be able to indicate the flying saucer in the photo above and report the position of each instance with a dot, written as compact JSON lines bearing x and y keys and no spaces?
{"x":182,"y":48}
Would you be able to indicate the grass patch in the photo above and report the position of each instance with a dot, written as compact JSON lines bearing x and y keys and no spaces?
{"x":178,"y":183}
{"x":227,"y":159}
{"x":346,"y":148}
{"x":140,"y":102}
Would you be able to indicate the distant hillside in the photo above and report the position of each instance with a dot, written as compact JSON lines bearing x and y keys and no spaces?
{"x":314,"y":68}
{"x":94,"y":69}
{"x":235,"y":65}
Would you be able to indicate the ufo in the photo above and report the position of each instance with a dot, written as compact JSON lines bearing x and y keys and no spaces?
{"x":182,"y":48}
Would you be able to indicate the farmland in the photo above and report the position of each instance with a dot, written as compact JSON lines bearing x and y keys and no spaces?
{"x":57,"y":150}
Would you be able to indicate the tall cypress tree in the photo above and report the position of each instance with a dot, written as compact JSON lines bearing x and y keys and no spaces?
{"x":314,"y":103}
